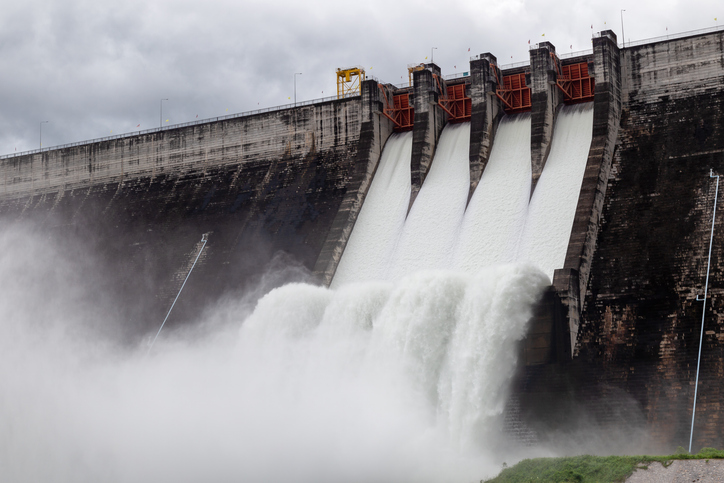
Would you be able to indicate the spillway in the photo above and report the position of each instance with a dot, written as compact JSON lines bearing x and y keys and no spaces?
{"x":382,"y":217}
{"x":496,"y":215}
{"x":502,"y":223}
{"x":553,"y":205}
{"x":430,"y":230}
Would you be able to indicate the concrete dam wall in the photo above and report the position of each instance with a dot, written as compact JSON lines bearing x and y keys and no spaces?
{"x":619,"y":326}
{"x":259,"y":185}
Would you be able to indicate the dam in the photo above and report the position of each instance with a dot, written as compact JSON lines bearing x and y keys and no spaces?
{"x":591,"y":168}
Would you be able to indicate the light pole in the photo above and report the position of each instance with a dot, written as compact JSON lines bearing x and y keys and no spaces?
{"x":623,"y":35}
{"x":160,"y":116}
{"x":295,"y":87}
{"x":41,"y":133}
{"x":432,"y":57}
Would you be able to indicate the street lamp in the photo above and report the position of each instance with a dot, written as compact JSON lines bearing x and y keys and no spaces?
{"x":160,"y":117}
{"x":295,"y":87}
{"x":41,"y":133}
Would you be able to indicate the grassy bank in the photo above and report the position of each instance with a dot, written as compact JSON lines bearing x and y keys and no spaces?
{"x":590,"y":469}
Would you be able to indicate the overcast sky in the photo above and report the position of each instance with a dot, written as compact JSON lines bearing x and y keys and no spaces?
{"x":93,"y":68}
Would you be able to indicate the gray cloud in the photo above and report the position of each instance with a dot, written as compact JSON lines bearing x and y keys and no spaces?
{"x":93,"y":69}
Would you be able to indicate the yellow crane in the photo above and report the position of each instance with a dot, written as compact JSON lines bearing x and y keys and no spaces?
{"x":349,"y":81}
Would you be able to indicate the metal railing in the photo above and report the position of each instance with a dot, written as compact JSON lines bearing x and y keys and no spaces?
{"x":580,"y":53}
{"x":680,"y":35}
{"x":514,"y":65}
{"x":177,"y":126}
{"x":457,"y":75}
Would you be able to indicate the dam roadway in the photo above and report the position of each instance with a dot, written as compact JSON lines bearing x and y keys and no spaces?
{"x":618,"y":331}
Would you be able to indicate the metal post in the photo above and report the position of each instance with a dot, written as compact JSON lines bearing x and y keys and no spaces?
{"x":41,"y":133}
{"x":160,"y":116}
{"x":623,"y":35}
{"x":703,"y":310}
{"x":295,"y":87}
{"x":432,"y":57}
{"x":204,"y":239}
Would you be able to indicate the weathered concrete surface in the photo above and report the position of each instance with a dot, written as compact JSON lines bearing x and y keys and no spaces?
{"x":429,"y":122}
{"x":635,"y":359}
{"x":545,"y":98}
{"x":485,"y":112}
{"x":258,"y":185}
{"x":641,"y":321}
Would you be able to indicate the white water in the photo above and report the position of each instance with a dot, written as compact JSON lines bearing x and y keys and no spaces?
{"x":429,"y":233}
{"x":496,"y":215}
{"x":372,"y":382}
{"x":369,"y":249}
{"x":553,"y":205}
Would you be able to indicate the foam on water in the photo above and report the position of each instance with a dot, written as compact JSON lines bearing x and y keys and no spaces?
{"x":496,"y":214}
{"x":431,"y":227}
{"x":553,"y":205}
{"x":380,"y":221}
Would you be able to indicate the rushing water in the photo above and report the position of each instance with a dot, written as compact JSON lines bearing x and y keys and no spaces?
{"x":496,"y":215}
{"x":429,"y":232}
{"x":553,"y":204}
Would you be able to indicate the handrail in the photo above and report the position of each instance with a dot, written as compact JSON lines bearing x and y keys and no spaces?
{"x":177,"y":126}
{"x":580,"y":53}
{"x":679,"y":35}
{"x":457,"y":75}
{"x":514,"y":64}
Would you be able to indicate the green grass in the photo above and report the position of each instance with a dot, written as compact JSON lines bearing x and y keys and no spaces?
{"x":590,"y":469}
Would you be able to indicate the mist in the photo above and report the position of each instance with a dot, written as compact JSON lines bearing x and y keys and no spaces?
{"x":370,"y":382}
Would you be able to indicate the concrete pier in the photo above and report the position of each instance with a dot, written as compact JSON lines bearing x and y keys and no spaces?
{"x":429,"y":122}
{"x":545,"y":98}
{"x":486,"y":110}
